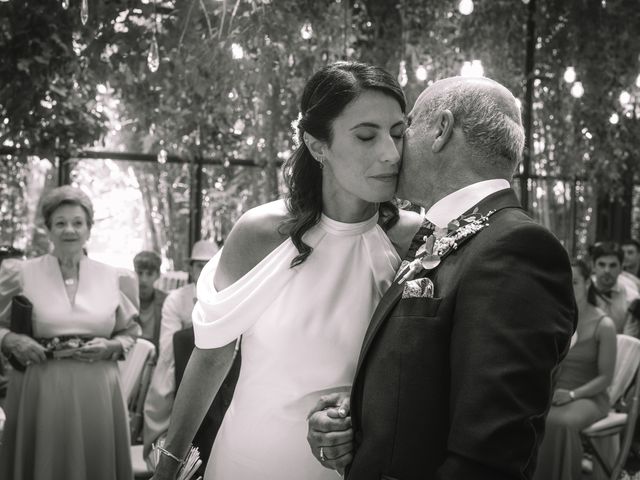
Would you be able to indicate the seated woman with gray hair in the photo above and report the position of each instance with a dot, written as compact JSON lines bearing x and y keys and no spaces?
{"x":66,"y":416}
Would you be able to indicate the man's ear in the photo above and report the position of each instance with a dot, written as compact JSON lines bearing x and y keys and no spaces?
{"x":315,"y":146}
{"x":445,"y":129}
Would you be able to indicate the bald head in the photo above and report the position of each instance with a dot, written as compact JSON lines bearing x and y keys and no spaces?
{"x":486,"y":112}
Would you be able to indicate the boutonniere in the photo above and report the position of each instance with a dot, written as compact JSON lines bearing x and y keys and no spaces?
{"x":437,"y":246}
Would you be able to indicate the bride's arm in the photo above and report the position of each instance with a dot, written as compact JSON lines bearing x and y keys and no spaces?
{"x":203,"y":376}
{"x":252,"y":238}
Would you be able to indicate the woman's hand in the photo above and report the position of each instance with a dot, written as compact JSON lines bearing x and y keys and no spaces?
{"x":24,"y":348}
{"x":167,"y":469}
{"x":96,"y":349}
{"x":561,"y":396}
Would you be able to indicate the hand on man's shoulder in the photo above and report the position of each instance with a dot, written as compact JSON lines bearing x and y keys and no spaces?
{"x":404,"y":230}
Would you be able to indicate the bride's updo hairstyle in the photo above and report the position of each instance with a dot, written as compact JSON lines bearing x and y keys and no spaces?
{"x":325,"y":96}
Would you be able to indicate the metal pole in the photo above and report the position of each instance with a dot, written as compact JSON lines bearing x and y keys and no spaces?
{"x":528,"y":104}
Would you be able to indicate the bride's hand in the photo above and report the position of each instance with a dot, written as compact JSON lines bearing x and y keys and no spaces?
{"x":330,"y":435}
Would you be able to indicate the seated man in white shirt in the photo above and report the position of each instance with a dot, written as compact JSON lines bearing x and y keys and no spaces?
{"x":176,"y":316}
{"x":614,"y":294}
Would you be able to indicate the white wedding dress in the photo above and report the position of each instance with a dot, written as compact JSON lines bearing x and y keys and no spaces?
{"x":302,"y":330}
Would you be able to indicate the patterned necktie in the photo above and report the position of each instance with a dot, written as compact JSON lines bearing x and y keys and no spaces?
{"x":427,"y":228}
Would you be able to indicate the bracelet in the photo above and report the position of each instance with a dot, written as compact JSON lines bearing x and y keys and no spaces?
{"x":572,"y":395}
{"x":166,"y":452}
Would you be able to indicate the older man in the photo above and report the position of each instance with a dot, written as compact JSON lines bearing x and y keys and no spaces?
{"x":454,"y":375}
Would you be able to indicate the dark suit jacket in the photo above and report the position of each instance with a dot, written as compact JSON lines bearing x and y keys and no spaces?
{"x":456,"y":387}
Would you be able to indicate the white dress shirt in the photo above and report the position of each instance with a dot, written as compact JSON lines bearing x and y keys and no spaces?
{"x":458,"y":202}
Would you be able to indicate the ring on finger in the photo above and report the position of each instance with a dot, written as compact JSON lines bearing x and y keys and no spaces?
{"x":322,"y":457}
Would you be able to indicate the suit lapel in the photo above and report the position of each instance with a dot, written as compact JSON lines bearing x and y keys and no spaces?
{"x":496,"y":201}
{"x":387,"y":302}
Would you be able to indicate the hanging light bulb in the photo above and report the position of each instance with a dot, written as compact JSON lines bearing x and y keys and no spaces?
{"x":614,"y":119}
{"x":421,"y":73}
{"x":477,"y":68}
{"x":237,"y":52}
{"x":577,"y":90}
{"x":162,"y":156}
{"x":638,"y":81}
{"x":526,"y":2}
{"x":306,"y":32}
{"x":570,"y":75}
{"x":403,"y":78}
{"x":465,"y":7}
{"x":625,"y":98}
{"x":153,"y":58}
{"x":84,"y":11}
{"x":233,"y":94}
{"x":65,"y":4}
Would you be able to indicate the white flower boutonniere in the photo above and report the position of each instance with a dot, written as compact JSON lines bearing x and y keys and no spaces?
{"x":435,"y":249}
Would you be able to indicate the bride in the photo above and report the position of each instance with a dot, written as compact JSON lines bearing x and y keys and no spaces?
{"x":298,"y":279}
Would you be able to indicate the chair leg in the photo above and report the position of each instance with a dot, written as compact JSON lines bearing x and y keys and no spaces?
{"x":599,"y":458}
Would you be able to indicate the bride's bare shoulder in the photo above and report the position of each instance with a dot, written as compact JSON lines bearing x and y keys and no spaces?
{"x":254,"y":236}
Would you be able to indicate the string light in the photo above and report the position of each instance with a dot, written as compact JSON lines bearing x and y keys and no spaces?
{"x":614,"y":119}
{"x":577,"y":90}
{"x":403,"y":78}
{"x":306,"y":32}
{"x":465,"y":7}
{"x":65,"y":4}
{"x":421,"y":73}
{"x":237,"y":52}
{"x":162,"y":156}
{"x":570,"y":75}
{"x":638,"y":81}
{"x":625,"y":98}
{"x":473,"y":68}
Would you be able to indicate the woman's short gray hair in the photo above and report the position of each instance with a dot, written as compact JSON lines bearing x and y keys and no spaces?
{"x":65,"y":195}
{"x":492,"y":130}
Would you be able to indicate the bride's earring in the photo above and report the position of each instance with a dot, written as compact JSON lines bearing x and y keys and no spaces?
{"x":320,"y":160}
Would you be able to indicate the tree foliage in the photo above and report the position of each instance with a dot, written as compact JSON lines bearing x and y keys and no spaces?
{"x":65,"y":86}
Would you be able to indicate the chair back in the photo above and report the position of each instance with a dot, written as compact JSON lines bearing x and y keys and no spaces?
{"x":133,"y":366}
{"x":627,"y":363}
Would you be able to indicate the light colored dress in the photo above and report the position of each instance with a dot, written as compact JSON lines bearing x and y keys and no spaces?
{"x":66,"y":419}
{"x":302,"y":329}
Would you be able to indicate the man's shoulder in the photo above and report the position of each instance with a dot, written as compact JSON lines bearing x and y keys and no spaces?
{"x":185,"y":292}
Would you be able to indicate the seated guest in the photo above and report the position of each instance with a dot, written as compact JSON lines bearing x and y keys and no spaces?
{"x":147,"y":267}
{"x":176,"y":316}
{"x":631,"y":261}
{"x":66,"y":415}
{"x":612,"y":293}
{"x":6,"y":252}
{"x":581,"y":395}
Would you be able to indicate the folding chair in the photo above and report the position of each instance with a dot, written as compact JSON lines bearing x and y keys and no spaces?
{"x":135,"y":375}
{"x":624,"y":395}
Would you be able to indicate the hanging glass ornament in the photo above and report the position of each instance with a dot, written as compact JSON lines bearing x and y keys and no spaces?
{"x":403,"y":78}
{"x":84,"y":11}
{"x":162,"y":156}
{"x":65,"y":4}
{"x":153,"y":58}
{"x":306,"y":32}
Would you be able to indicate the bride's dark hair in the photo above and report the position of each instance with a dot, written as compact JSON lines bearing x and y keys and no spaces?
{"x":324,"y":98}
